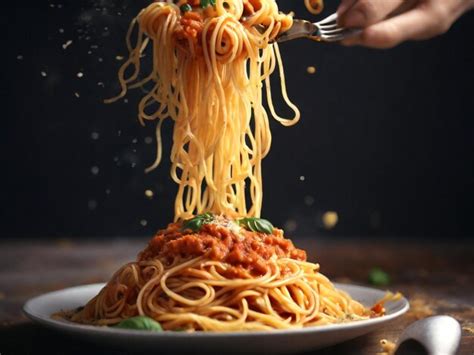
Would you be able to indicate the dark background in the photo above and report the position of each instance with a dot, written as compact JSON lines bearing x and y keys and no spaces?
{"x":385,"y":140}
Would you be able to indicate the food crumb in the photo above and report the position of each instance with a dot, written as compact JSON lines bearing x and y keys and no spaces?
{"x":388,"y":347}
{"x":95,"y":170}
{"x":330,"y":219}
{"x":311,"y":70}
{"x":419,"y":308}
{"x":43,"y":74}
{"x":149,"y":194}
{"x":468,"y":329}
{"x":77,"y":95}
{"x":67,"y":44}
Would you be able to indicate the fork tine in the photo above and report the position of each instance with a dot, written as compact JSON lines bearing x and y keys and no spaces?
{"x":333,"y":31}
{"x":333,"y":38}
{"x":340,"y":35}
{"x":328,"y":19}
{"x":328,"y":27}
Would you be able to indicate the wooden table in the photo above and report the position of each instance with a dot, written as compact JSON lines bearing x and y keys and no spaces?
{"x":437,"y":279}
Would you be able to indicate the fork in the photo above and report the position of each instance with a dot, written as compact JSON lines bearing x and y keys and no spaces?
{"x":326,"y":30}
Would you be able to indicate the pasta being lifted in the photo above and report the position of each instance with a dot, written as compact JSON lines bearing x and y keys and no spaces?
{"x":218,"y":267}
{"x":208,"y":67}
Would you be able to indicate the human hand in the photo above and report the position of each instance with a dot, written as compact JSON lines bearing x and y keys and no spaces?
{"x":387,"y":23}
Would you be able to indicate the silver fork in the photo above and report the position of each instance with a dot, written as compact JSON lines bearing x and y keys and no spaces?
{"x":326,"y":30}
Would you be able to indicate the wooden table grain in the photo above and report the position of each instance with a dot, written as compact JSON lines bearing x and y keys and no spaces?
{"x":437,"y":278}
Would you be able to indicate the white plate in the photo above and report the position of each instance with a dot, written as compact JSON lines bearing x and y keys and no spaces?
{"x":40,"y":308}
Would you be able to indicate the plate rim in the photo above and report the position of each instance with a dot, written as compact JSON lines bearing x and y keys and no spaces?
{"x":70,"y":326}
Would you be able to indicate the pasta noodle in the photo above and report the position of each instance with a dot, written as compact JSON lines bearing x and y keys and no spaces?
{"x":218,"y":267}
{"x":208,"y":68}
{"x":314,"y":6}
{"x":197,"y":290}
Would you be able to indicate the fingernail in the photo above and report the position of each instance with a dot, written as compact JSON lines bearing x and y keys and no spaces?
{"x":355,"y":18}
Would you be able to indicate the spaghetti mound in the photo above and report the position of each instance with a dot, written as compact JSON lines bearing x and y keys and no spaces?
{"x":222,"y":277}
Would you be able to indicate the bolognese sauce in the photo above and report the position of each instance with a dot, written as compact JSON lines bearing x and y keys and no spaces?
{"x":245,"y":252}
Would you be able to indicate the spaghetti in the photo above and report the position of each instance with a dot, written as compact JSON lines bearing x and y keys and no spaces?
{"x":222,"y":278}
{"x":208,"y":68}
{"x":218,"y":267}
{"x":314,"y":6}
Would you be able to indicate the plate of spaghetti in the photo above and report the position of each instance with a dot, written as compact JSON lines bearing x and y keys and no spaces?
{"x":219,"y":273}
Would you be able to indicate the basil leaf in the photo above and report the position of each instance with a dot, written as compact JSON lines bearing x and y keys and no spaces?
{"x":264,"y":226}
{"x":256,"y":225}
{"x":205,"y":3}
{"x":186,"y":8}
{"x":378,"y":277}
{"x":197,"y":222}
{"x":140,"y":323}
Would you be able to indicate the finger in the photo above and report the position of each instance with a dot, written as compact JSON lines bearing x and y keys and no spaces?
{"x":420,"y":23}
{"x":364,"y":13}
{"x":344,"y":6}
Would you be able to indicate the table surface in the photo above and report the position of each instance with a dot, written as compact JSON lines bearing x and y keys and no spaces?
{"x":436,"y":278}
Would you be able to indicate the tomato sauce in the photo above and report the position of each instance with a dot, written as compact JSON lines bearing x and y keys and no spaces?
{"x":245,"y":251}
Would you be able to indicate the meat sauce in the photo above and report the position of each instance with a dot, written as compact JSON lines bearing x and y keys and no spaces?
{"x":247,"y":252}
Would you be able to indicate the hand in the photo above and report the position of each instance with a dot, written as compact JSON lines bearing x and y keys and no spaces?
{"x":386,"y":23}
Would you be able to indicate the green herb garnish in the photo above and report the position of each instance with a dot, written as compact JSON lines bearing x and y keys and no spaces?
{"x":256,"y":224}
{"x":140,"y":323}
{"x":206,"y":3}
{"x":378,"y":277}
{"x":185,"y":8}
{"x":197,"y":222}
